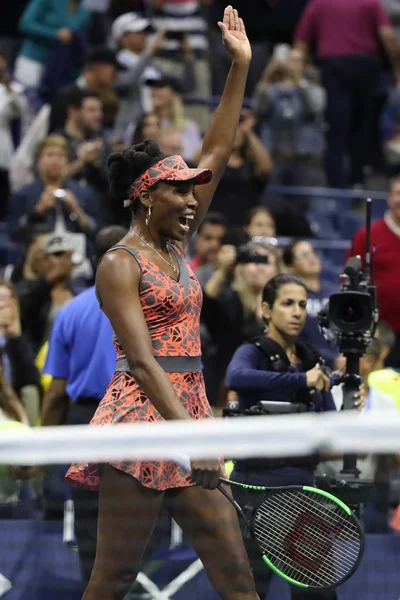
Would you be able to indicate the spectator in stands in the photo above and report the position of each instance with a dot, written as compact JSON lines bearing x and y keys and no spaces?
{"x":31,"y":239}
{"x":12,"y":106}
{"x":259,"y":222}
{"x":385,"y":237}
{"x":170,"y":141}
{"x":63,"y":204}
{"x":88,"y":150}
{"x":289,"y":108}
{"x":81,"y":361}
{"x":168,"y":106}
{"x":208,"y":240}
{"x":83,"y":132}
{"x":98,"y":75}
{"x":186,"y":33}
{"x":130,"y":33}
{"x":41,"y":299}
{"x":17,"y":359}
{"x":44,"y":23}
{"x":232,"y":312}
{"x":302,"y":260}
{"x":147,"y":128}
{"x":349,"y":61}
{"x":245,"y":175}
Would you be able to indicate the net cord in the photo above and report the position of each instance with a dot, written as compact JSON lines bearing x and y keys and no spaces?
{"x":289,"y":435}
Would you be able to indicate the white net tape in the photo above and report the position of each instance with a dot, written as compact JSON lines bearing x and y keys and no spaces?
{"x":289,"y":435}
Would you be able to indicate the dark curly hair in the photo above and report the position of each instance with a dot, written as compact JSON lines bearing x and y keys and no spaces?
{"x":124,"y":167}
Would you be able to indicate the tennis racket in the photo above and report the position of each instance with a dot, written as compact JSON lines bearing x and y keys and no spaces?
{"x":305,"y":535}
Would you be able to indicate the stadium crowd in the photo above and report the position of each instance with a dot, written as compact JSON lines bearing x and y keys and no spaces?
{"x":80,"y":79}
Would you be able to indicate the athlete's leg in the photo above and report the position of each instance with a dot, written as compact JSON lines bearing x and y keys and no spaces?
{"x":212,"y":525}
{"x":127,"y":515}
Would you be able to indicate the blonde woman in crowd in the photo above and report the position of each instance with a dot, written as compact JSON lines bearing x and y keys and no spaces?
{"x":231,"y":311}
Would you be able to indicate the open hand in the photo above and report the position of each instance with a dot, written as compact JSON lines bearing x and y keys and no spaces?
{"x":234,"y":36}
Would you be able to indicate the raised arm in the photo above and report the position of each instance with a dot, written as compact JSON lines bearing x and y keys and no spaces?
{"x":218,"y":141}
{"x":117,"y":282}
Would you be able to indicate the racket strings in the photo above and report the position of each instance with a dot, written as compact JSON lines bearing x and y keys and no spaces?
{"x":304,"y":523}
{"x":334,"y":518}
{"x":308,"y":551}
{"x":348,"y":558}
{"x":299,"y":573}
{"x":295,"y":570}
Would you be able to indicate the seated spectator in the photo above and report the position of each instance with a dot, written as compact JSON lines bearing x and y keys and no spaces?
{"x":168,"y":106}
{"x":245,"y":175}
{"x":232,"y":312}
{"x":31,"y":239}
{"x":18,"y":360}
{"x":304,"y":262}
{"x":208,"y":240}
{"x":44,"y":23}
{"x":64,"y":205}
{"x":12,"y":106}
{"x":87,"y":149}
{"x":98,"y":75}
{"x":41,"y":299}
{"x":147,"y":128}
{"x":259,"y":222}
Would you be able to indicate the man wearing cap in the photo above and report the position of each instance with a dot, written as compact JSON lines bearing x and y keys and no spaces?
{"x":41,"y":298}
{"x":130,"y":32}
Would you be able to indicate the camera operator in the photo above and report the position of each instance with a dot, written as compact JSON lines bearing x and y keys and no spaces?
{"x":277,"y":367}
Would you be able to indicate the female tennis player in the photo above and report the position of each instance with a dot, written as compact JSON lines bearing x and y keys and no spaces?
{"x":153,"y":301}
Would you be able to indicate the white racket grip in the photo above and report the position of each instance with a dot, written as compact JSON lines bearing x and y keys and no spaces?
{"x":183,"y":460}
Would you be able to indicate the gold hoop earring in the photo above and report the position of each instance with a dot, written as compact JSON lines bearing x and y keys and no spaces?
{"x":148,"y":216}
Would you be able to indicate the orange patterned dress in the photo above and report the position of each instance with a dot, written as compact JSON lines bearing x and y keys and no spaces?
{"x":172,"y":312}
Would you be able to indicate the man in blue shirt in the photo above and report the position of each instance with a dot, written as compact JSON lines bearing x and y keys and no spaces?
{"x":81,"y":360}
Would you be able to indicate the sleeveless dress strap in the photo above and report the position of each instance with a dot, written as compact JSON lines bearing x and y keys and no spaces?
{"x":134,"y":253}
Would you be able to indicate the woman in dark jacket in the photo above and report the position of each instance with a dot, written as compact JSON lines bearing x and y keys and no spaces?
{"x":276,"y":367}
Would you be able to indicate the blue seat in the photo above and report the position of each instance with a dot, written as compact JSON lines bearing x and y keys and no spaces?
{"x":322,"y":225}
{"x":349,"y":223}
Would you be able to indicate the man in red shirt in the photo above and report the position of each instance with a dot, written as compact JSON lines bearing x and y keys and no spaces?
{"x":347,"y":35}
{"x":385,"y":236}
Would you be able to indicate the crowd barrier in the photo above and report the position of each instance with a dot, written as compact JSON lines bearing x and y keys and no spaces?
{"x":36,"y":565}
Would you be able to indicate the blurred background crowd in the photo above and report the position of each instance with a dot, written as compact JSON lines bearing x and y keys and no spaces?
{"x":320,"y":124}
